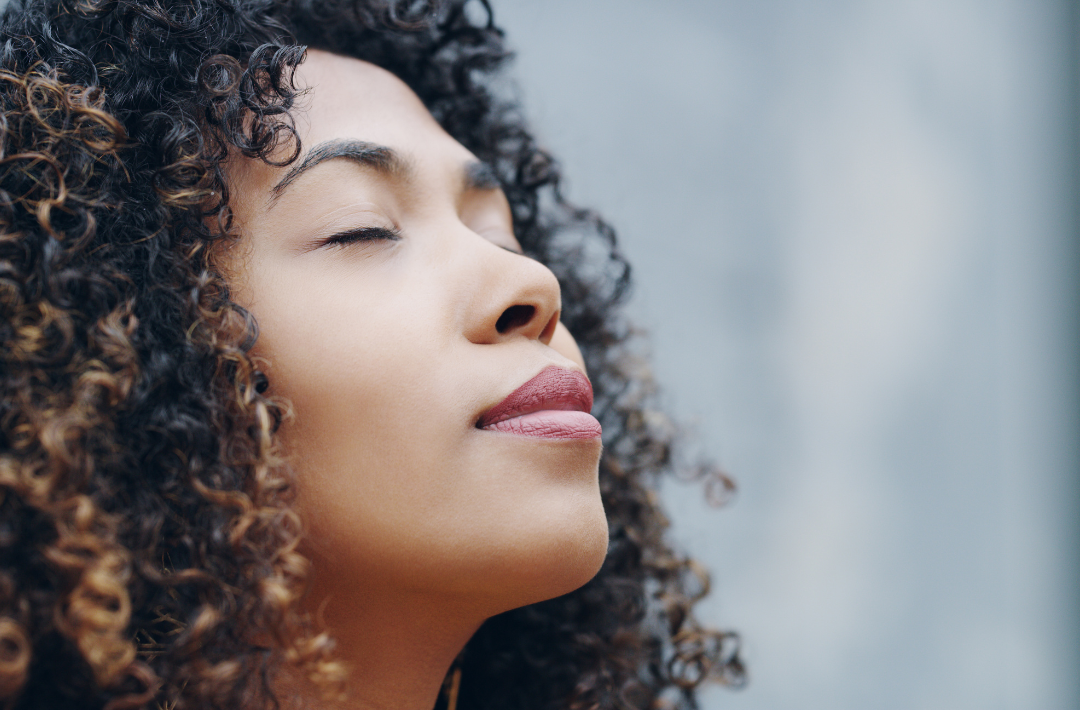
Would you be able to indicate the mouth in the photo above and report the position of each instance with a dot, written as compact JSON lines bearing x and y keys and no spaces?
{"x":554,"y":404}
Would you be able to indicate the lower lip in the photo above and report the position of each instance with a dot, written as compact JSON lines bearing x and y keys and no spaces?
{"x":550,"y":424}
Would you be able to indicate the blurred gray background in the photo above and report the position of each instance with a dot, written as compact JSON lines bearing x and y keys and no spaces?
{"x":854,"y":228}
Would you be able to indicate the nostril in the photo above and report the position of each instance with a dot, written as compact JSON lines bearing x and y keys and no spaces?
{"x":514,"y":317}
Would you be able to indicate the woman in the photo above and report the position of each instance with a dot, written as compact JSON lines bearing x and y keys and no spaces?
{"x":296,"y":324}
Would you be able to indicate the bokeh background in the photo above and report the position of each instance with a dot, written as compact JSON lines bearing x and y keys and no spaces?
{"x":854,"y":229}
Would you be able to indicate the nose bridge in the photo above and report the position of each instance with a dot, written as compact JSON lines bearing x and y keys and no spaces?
{"x":508,"y":294}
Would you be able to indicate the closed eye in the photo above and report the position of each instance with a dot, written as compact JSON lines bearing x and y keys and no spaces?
{"x":361,"y":235}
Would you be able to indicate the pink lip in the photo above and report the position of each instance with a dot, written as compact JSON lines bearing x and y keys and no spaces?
{"x":554,"y":404}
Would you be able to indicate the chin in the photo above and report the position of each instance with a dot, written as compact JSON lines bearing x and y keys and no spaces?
{"x":561,"y":560}
{"x":581,"y":565}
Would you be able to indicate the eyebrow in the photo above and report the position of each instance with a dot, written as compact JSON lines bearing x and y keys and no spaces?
{"x":478,"y":175}
{"x":381,"y":158}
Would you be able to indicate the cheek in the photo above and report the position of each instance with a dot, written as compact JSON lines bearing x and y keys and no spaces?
{"x":371,"y":436}
{"x":378,"y":405}
{"x":364,"y":375}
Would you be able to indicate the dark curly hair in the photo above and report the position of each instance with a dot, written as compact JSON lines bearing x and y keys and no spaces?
{"x":148,"y":550}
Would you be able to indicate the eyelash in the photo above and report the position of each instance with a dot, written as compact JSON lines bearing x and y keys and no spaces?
{"x":360,"y":235}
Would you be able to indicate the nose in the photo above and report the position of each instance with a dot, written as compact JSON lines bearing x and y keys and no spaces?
{"x":516,"y":297}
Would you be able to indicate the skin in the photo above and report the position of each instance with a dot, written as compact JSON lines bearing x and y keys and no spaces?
{"x":420,"y":525}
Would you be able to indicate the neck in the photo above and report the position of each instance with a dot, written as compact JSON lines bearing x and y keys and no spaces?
{"x":397,"y":651}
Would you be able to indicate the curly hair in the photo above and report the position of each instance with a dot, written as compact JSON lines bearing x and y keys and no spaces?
{"x":148,"y":549}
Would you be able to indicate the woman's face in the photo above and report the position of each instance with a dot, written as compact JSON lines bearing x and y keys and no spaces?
{"x":395,"y":311}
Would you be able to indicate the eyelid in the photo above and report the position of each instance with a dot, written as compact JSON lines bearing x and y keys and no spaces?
{"x":501,"y":236}
{"x":352,"y":236}
{"x":486,"y":208}
{"x":362,"y":234}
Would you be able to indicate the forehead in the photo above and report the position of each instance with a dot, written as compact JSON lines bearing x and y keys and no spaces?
{"x":349,"y":95}
{"x":347,"y":98}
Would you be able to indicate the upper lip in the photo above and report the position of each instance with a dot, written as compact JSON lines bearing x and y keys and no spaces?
{"x":556,"y":388}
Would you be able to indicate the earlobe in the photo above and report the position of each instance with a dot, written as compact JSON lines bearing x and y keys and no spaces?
{"x":563,"y":343}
